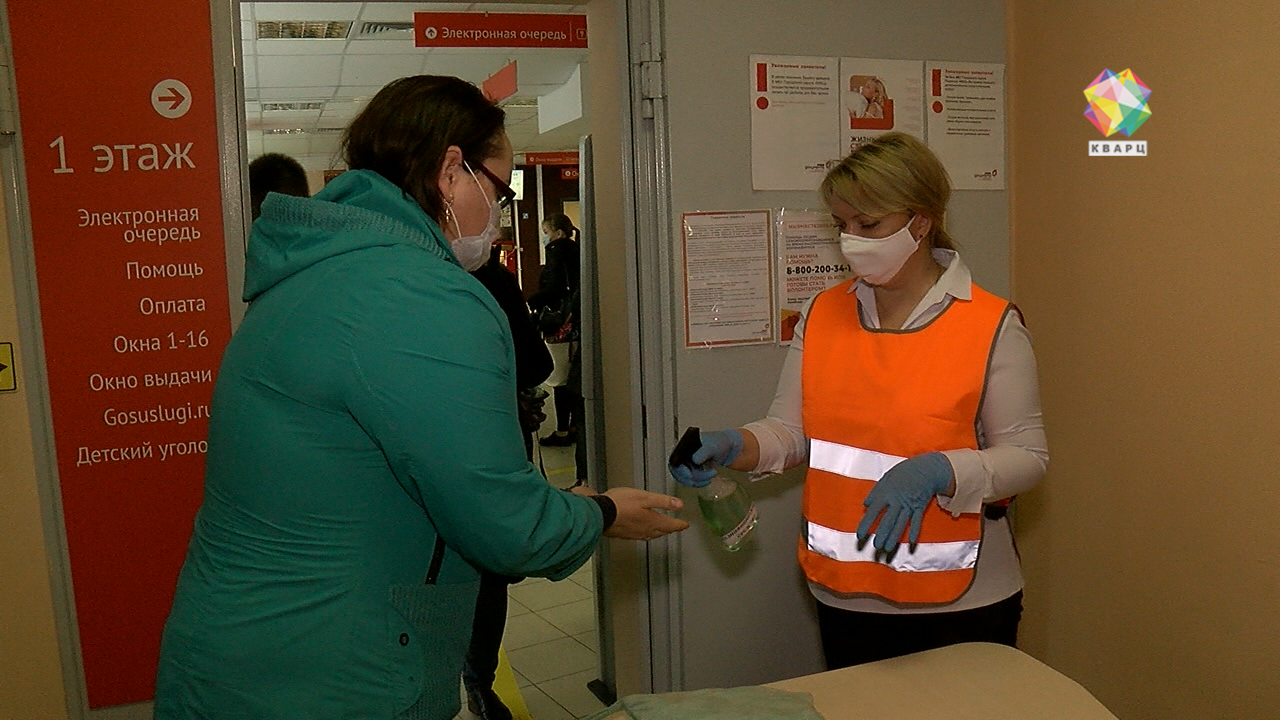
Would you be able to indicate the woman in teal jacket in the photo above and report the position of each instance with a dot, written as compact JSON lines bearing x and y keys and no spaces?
{"x":365,"y":456}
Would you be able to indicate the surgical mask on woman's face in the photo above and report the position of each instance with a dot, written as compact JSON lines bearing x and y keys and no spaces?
{"x":472,"y":251}
{"x":877,"y":260}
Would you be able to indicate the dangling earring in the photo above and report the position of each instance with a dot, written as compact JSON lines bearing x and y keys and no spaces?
{"x":450,"y":218}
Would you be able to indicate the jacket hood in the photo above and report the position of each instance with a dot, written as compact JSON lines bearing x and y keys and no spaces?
{"x":356,"y":210}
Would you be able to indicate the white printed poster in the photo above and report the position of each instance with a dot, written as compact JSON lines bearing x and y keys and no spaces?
{"x":877,"y":96}
{"x":728,"y":278}
{"x":966,"y":122}
{"x":809,"y":261}
{"x":794,"y":103}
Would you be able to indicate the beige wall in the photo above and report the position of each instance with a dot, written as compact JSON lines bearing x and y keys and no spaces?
{"x":29,"y":664}
{"x":1151,"y":287}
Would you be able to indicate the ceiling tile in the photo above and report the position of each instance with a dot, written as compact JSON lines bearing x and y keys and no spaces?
{"x":295,"y":144}
{"x":297,"y":46}
{"x":306,"y":11}
{"x":403,"y":11}
{"x":287,"y":94}
{"x":355,"y":92}
{"x":377,"y":69}
{"x":548,"y":67}
{"x":474,"y":65}
{"x":338,"y":113}
{"x":387,"y":44}
{"x":299,"y":71}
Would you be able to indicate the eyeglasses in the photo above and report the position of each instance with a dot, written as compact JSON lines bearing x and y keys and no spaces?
{"x":505,"y":193}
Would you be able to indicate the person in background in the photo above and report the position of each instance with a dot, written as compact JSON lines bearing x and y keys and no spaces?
{"x":533,"y":361}
{"x":559,"y":296}
{"x":365,"y":461}
{"x":278,"y":173}
{"x":912,"y":395}
{"x":533,"y":366}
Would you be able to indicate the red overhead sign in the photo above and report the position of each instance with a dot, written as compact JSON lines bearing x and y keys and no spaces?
{"x":529,"y":30}
{"x":564,"y":157}
{"x":120,"y":146}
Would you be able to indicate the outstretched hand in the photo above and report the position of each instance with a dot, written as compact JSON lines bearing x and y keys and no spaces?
{"x":640,"y":516}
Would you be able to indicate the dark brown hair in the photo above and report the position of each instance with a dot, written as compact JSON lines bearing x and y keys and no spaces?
{"x":562,"y":222}
{"x":275,"y":172}
{"x":404,"y":131}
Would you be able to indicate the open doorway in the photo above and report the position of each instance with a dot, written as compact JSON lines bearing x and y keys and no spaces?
{"x":308,"y":69}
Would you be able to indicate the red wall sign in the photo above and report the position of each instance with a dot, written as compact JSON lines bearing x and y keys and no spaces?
{"x":120,"y":145}
{"x":539,"y":30}
{"x":569,"y":173}
{"x":566,"y":157}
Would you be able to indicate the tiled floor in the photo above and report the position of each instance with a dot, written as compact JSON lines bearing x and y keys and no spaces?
{"x":551,"y":643}
{"x":551,"y":626}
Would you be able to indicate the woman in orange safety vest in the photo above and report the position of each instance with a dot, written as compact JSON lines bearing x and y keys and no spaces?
{"x":912,"y":395}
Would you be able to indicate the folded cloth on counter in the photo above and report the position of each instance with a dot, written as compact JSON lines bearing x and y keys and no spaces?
{"x":744,"y":703}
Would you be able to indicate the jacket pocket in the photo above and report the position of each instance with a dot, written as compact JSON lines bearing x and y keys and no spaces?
{"x":429,"y":628}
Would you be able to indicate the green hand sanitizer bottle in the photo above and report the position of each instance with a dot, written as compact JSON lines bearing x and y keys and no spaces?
{"x":726,"y":507}
{"x":728,"y":511}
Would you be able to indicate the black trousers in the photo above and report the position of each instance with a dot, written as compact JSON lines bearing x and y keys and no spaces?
{"x":569,"y":407}
{"x":486,"y":631}
{"x":568,"y":397}
{"x":853,"y":638}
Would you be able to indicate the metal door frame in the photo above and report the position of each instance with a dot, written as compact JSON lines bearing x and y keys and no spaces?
{"x":647,"y":212}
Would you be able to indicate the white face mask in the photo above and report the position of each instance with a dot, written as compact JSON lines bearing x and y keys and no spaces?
{"x":877,"y":260}
{"x":472,"y":251}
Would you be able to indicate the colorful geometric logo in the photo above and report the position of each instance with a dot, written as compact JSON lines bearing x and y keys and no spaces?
{"x":1117,"y":103}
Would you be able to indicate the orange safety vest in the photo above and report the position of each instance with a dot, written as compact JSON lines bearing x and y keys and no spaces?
{"x":873,"y":398}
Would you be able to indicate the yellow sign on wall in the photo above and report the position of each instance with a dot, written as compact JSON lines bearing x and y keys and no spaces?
{"x":8,"y":374}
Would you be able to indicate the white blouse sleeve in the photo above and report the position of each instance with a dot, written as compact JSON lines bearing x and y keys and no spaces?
{"x":1013,"y":450}
{"x":783,"y":444}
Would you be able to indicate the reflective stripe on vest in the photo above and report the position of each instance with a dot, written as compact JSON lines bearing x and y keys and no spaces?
{"x":872,"y":398}
{"x":850,"y":462}
{"x":925,"y":557}
{"x":858,"y":463}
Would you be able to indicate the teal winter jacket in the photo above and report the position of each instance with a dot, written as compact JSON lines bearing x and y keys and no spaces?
{"x":365,"y":461}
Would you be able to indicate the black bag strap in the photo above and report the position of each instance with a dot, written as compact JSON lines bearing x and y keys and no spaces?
{"x":437,"y":559}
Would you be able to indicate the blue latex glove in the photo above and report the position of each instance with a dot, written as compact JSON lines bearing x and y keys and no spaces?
{"x":902,"y":495}
{"x":719,"y":447}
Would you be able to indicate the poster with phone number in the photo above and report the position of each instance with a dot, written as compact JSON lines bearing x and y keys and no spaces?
{"x":809,"y":261}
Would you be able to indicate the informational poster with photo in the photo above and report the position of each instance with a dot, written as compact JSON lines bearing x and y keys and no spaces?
{"x":877,"y":96}
{"x":728,"y":278}
{"x":793,"y":103}
{"x":809,"y":261}
{"x":966,"y":122}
